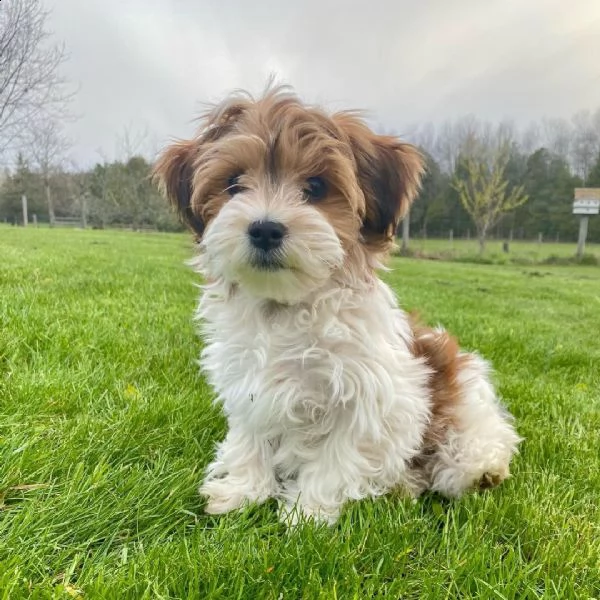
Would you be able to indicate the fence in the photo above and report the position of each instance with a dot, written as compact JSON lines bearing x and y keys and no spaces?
{"x":69,"y":222}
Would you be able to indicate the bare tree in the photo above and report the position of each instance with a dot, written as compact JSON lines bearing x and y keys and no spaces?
{"x":557,"y":136}
{"x":30,"y":81}
{"x":586,"y":143}
{"x":530,"y":138}
{"x":456,"y":138}
{"x":47,"y":145}
{"x":78,"y":183}
{"x":484,"y":190}
{"x":132,"y":142}
{"x":423,"y":135}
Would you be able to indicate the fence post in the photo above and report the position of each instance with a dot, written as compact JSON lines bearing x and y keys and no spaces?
{"x":405,"y":233}
{"x":84,"y":211}
{"x":583,"y":228}
{"x":34,"y":220}
{"x":24,"y":205}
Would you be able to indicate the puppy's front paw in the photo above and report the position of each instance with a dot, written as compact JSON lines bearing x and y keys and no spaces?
{"x":222,"y":496}
{"x":226,"y":492}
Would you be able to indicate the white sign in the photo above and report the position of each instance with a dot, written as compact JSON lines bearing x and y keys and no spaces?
{"x":586,"y":207}
{"x":587,"y":201}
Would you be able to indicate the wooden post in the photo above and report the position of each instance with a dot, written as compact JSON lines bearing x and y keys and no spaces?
{"x":583,"y":228}
{"x":451,"y":237}
{"x":586,"y":202}
{"x":34,"y":220}
{"x":405,"y":233}
{"x":83,"y":211}
{"x":24,"y":204}
{"x":540,"y":238}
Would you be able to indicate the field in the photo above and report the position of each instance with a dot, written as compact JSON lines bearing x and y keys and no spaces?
{"x":520,"y":252}
{"x":106,"y":425}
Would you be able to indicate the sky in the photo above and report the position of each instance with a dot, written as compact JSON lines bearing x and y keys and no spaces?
{"x":145,"y":67}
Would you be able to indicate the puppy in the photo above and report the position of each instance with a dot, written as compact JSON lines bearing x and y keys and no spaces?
{"x":331,"y":392}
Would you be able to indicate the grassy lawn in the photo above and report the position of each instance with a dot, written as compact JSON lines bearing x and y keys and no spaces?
{"x":106,"y":425}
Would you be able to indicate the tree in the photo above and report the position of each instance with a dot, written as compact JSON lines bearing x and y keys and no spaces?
{"x":78,"y":183}
{"x":549,"y":184}
{"x":122,"y":192}
{"x":530,"y":138}
{"x":431,"y":197}
{"x":22,"y":181}
{"x":30,"y":82}
{"x":585,"y":144}
{"x":593,"y":179}
{"x":453,"y":138}
{"x":484,"y":191}
{"x":557,"y":137}
{"x":47,"y":146}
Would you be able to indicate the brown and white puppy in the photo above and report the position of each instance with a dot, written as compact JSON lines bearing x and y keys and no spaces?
{"x":331,"y":393}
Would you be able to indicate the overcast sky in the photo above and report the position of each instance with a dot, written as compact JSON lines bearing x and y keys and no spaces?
{"x":148,"y":64}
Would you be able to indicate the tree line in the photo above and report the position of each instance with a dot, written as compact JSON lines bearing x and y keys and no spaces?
{"x":536,"y":169}
{"x":538,"y":187}
{"x":115,"y":194}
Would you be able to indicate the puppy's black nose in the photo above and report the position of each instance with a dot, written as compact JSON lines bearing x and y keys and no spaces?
{"x":266,"y":235}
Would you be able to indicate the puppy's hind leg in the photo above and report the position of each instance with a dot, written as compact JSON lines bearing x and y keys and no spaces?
{"x":480,"y":442}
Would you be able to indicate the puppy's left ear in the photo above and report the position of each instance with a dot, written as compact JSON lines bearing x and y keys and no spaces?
{"x":173,"y":172}
{"x":389,"y":173}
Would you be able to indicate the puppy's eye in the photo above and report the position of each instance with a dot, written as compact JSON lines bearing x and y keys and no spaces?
{"x":233,"y":185}
{"x":315,"y":189}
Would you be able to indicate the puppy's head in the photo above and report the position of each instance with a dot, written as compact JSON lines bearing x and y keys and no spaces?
{"x":282,"y":196}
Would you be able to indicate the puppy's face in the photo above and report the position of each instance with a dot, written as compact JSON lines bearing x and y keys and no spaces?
{"x":282,"y":196}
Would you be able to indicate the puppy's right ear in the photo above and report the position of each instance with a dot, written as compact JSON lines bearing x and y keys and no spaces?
{"x":175,"y":169}
{"x":174,"y":172}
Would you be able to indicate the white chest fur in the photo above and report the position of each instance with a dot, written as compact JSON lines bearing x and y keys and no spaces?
{"x":342,"y":357}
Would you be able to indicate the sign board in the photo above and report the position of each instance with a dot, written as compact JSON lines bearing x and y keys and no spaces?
{"x":587,"y":201}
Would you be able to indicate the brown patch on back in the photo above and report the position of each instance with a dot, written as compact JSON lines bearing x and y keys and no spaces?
{"x":442,"y":354}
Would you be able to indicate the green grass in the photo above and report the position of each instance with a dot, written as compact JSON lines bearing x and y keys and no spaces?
{"x":106,"y":425}
{"x":520,"y":252}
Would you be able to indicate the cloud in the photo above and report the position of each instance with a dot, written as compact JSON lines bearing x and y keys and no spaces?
{"x":148,"y":64}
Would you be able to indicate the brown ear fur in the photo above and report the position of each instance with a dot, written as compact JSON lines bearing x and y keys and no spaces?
{"x":174,"y":169}
{"x":389,"y":173}
{"x":173,"y":172}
